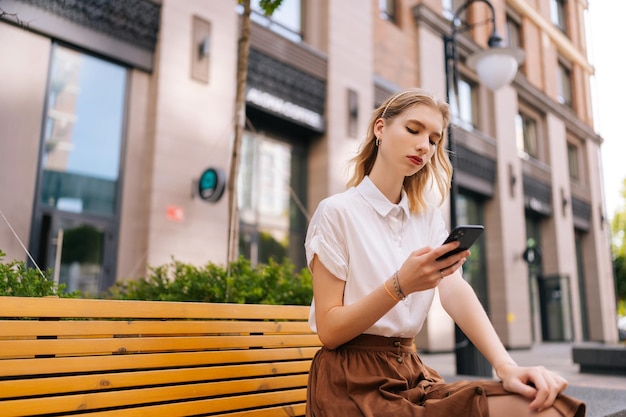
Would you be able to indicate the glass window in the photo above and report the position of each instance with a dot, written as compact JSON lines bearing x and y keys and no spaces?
{"x":83,"y":133}
{"x":581,"y":255}
{"x":450,"y":6}
{"x":513,"y":33}
{"x":470,"y":210}
{"x":526,"y":136}
{"x":388,"y":10}
{"x":557,"y":14}
{"x":572,"y":159}
{"x":466,"y":116}
{"x":271,"y":184}
{"x":286,"y":19}
{"x":564,"y":85}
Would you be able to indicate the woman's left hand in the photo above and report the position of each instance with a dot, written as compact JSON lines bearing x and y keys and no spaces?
{"x":536,"y":383}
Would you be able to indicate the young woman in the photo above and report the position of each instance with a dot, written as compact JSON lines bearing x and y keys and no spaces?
{"x":372,"y":250}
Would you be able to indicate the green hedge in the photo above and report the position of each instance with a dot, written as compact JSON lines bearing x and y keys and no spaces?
{"x":272,"y":283}
{"x":18,"y":280}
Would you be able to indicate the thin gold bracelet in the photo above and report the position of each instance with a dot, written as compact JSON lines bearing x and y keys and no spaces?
{"x":396,"y":299}
{"x":396,"y":284}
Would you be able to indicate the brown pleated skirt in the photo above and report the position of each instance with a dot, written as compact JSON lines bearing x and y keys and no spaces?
{"x":375,"y":376}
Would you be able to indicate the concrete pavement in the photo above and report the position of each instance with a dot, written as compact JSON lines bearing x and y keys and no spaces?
{"x":605,"y":395}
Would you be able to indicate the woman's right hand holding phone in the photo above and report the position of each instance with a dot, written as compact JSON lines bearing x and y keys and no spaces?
{"x":422,"y":271}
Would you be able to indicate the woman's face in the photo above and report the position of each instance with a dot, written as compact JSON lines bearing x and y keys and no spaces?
{"x":408,"y":142}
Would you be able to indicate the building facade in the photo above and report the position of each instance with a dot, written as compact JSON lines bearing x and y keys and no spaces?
{"x":117,"y":122}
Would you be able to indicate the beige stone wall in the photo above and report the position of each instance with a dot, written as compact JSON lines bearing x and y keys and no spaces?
{"x":24,"y":72}
{"x":598,"y":266}
{"x":350,"y":66}
{"x":395,"y":48}
{"x":191,"y":129}
{"x":133,"y":231}
{"x":506,"y":233}
{"x":558,"y":231}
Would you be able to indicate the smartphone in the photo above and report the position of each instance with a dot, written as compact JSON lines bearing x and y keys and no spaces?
{"x":466,"y":234}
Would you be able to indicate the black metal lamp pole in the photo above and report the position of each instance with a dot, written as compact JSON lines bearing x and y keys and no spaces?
{"x":469,"y":361}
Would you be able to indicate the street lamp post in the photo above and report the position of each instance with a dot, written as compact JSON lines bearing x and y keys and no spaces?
{"x":496,"y":67}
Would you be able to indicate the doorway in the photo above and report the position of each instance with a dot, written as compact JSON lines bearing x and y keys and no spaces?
{"x":80,"y":251}
{"x":76,"y":216}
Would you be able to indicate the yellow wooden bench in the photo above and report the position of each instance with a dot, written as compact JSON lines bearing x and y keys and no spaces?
{"x":146,"y":358}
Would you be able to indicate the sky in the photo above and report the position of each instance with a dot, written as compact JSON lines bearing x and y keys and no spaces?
{"x":606,"y":35}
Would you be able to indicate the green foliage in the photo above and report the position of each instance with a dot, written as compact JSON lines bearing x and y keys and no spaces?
{"x":17,"y":280}
{"x":268,"y":6}
{"x":272,"y":283}
{"x":618,"y":247}
{"x":619,"y":266}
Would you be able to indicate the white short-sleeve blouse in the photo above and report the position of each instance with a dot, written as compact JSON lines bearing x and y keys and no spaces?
{"x":363,"y":238}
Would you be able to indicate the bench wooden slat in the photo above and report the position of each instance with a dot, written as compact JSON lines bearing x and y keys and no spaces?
{"x":63,"y":365}
{"x":106,"y":381}
{"x":137,"y":358}
{"x":89,"y":308}
{"x":197,"y":407}
{"x":33,"y":328}
{"x":107,"y":346}
{"x":109,"y":399}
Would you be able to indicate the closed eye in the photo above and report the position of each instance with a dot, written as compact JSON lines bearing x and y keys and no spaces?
{"x":412,"y":131}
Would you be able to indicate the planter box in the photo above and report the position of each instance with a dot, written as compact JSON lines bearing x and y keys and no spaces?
{"x":600,"y":358}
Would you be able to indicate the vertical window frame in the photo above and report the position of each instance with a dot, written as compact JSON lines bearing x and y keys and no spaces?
{"x":275,"y":23}
{"x":388,"y":10}
{"x":467,"y":116}
{"x":565,"y":86}
{"x":530,"y":146}
{"x":575,"y":161}
{"x":515,"y":33}
{"x":558,"y":14}
{"x":449,"y":7}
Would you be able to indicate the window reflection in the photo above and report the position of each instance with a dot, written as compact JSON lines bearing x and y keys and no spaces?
{"x":83,"y":133}
{"x":387,"y":10}
{"x":572,"y":159}
{"x":557,"y":14}
{"x":564,"y":85}
{"x":270,"y":178}
{"x":450,"y":6}
{"x":286,"y":19}
{"x":526,"y":136}
{"x":470,"y":210}
{"x":466,"y":116}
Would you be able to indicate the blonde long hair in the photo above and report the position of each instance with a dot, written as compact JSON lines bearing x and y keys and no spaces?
{"x":438,"y":170}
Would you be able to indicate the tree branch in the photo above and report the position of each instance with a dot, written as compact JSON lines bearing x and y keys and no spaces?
{"x":12,"y":17}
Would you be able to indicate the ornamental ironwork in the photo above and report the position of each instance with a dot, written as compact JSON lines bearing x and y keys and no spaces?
{"x":133,"y":21}
{"x":286,"y":82}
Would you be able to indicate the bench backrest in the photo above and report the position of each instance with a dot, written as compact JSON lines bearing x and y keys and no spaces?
{"x":130,"y":358}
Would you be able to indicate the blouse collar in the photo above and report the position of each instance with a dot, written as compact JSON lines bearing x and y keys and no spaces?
{"x":377,"y":199}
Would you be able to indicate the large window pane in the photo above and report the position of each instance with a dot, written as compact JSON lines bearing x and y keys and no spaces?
{"x":526,"y":134}
{"x":467,"y":115}
{"x":572,"y":159}
{"x":514,"y":33}
{"x":470,"y":210}
{"x":286,"y":19}
{"x":271,"y":184}
{"x":450,"y":7}
{"x":83,"y":133}
{"x":557,"y":14}
{"x":564,"y":85}
{"x":388,"y":11}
